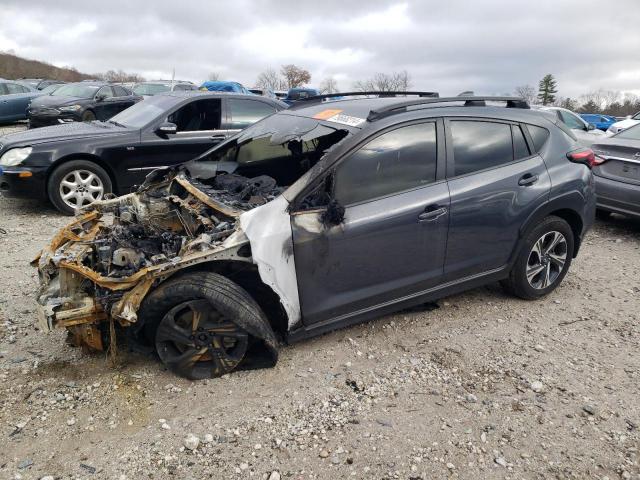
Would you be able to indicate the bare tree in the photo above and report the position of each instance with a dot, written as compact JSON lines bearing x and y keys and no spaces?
{"x":329,"y":85}
{"x":528,"y":92}
{"x":213,"y":76}
{"x":120,"y":76}
{"x":270,"y":80}
{"x":385,"y":82}
{"x":295,"y":76}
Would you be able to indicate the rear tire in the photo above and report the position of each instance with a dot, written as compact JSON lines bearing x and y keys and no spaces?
{"x":195,"y":321}
{"x":543,"y":261}
{"x":76,"y":184}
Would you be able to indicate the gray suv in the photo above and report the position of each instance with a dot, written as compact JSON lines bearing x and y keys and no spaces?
{"x":320,"y":216}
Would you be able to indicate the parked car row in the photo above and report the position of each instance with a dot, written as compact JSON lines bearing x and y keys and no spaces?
{"x":74,"y":164}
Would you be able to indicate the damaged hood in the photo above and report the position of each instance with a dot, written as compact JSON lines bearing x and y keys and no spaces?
{"x":105,"y":261}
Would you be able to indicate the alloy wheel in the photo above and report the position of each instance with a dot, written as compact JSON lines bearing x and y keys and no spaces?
{"x":81,"y":187}
{"x":546,"y":260}
{"x":196,"y":341}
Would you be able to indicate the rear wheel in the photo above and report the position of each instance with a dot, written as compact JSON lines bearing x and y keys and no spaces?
{"x":195,"y":321}
{"x":76,"y":184}
{"x":543,"y":261}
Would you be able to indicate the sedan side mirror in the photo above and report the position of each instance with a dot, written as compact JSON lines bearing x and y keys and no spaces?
{"x":100,"y":98}
{"x":591,"y":126}
{"x":167,"y":128}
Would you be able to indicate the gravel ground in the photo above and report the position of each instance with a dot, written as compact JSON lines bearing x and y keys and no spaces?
{"x":485,"y":386}
{"x":13,"y":127}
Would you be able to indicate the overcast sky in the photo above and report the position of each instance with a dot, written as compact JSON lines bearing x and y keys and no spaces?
{"x":489,"y":46}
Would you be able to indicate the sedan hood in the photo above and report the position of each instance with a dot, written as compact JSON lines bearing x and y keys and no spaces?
{"x":65,"y":131}
{"x":52,"y":101}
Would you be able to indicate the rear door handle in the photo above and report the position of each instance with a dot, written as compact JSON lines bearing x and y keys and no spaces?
{"x":527,"y":179}
{"x":432,"y":213}
{"x":218,"y":137}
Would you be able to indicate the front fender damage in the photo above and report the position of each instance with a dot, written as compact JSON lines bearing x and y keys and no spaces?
{"x":97,"y":270}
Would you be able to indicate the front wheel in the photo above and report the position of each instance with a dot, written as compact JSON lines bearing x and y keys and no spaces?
{"x":543,"y":261}
{"x":76,"y":184}
{"x":88,"y":116}
{"x":203,"y":324}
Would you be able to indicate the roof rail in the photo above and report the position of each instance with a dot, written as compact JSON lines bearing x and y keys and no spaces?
{"x":400,"y":107}
{"x":305,"y":102}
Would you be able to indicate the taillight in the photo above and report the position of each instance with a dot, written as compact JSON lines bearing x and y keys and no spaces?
{"x":586,"y":157}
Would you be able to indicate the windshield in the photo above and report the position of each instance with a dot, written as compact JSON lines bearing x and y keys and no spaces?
{"x":150,"y":88}
{"x":76,"y":90}
{"x":51,"y":88}
{"x":281,"y":146}
{"x":144,"y":112}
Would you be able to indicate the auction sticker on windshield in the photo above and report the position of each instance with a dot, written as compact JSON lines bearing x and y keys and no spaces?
{"x":346,"y":120}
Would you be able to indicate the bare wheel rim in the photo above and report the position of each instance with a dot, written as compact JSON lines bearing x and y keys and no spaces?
{"x":195,"y":340}
{"x":546,"y":260}
{"x":81,"y":187}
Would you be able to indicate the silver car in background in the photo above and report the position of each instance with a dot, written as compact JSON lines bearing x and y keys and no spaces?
{"x":617,"y":173}
{"x":585,"y":132}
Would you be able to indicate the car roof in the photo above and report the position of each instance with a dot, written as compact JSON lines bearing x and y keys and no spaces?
{"x":181,"y":94}
{"x":362,"y":108}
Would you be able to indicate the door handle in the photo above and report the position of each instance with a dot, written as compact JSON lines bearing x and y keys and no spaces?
{"x":527,"y":179}
{"x":218,"y":137}
{"x":431,"y":213}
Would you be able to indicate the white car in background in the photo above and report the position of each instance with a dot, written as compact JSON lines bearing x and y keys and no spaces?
{"x":585,"y":132}
{"x":630,"y":121}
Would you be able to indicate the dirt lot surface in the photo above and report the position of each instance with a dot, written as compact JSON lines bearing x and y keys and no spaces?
{"x":485,"y":386}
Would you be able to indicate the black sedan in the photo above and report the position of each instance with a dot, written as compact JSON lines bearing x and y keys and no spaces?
{"x":618,"y":173}
{"x":75,"y":164}
{"x":80,"y":102}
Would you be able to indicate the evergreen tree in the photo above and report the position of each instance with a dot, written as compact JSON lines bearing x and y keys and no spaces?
{"x":547,"y":89}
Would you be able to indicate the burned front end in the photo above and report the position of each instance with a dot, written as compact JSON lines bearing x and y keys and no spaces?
{"x":97,"y":270}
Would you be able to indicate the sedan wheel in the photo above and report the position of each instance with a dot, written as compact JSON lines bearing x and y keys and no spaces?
{"x":546,"y":260}
{"x":81,"y":187}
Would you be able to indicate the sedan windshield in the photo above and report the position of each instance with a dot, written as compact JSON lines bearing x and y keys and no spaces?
{"x":144,"y":112}
{"x":76,"y":90}
{"x":150,"y":88}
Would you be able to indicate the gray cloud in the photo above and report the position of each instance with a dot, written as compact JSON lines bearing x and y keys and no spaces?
{"x":487,"y":46}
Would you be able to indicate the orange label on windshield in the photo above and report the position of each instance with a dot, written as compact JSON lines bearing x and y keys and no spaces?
{"x":324,"y":114}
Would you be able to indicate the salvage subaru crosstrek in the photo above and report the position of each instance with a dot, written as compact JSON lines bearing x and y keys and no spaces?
{"x":321,"y":216}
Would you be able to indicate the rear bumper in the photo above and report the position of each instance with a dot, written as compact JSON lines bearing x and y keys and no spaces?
{"x":24,"y":182}
{"x":618,"y":197}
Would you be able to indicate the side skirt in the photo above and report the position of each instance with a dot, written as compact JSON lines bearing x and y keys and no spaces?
{"x":446,"y":289}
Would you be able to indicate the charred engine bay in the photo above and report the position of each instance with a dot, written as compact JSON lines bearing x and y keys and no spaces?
{"x":172,"y":220}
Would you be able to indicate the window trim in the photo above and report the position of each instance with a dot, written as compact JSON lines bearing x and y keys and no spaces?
{"x":440,"y":156}
{"x":449,"y":145}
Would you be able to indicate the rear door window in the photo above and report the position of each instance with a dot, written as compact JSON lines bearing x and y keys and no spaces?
{"x":396,"y":161}
{"x":120,"y":91}
{"x":243,"y":113}
{"x":479,"y":145}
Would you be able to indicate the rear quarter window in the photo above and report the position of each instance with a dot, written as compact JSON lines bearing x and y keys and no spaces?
{"x":539,"y":135}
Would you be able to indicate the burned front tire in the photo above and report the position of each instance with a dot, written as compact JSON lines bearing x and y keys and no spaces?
{"x":203,"y":325}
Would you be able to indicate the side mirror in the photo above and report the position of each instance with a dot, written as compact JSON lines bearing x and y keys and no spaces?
{"x":167,"y":128}
{"x":100,"y":98}
{"x":333,"y":215}
{"x":591,"y":126}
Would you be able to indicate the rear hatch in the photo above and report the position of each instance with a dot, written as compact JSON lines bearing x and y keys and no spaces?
{"x":622,"y":161}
